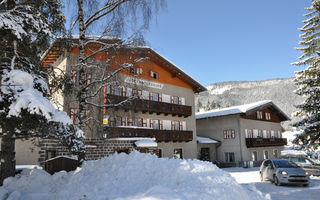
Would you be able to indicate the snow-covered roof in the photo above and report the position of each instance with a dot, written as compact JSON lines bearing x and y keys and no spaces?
{"x":55,"y":49}
{"x":293,"y":153}
{"x":206,"y":140}
{"x":149,"y":142}
{"x":241,"y":109}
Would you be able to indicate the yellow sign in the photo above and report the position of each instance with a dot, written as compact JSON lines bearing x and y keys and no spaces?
{"x":105,"y":120}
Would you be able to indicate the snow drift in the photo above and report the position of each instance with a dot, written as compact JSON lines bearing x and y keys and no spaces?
{"x":134,"y":176}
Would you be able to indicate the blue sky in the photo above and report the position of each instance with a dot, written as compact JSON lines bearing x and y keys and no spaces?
{"x":217,"y":40}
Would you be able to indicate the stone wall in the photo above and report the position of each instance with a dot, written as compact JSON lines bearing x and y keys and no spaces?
{"x":95,"y":148}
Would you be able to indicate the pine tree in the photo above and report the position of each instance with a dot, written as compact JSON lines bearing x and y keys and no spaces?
{"x":308,"y":80}
{"x":25,"y":111}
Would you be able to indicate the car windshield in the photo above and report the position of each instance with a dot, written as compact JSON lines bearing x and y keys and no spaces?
{"x":301,"y":160}
{"x":284,"y":164}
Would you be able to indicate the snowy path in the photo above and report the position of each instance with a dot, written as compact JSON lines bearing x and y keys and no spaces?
{"x":250,"y":176}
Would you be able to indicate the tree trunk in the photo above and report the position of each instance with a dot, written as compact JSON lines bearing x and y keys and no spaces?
{"x":81,"y":71}
{"x":8,"y":162}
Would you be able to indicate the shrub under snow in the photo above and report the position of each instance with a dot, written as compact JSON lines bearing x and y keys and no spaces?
{"x":129,"y":177}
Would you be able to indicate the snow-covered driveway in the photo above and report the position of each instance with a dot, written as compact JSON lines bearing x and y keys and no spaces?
{"x":250,"y":176}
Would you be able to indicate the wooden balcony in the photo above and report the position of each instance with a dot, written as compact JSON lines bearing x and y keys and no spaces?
{"x":148,"y":106}
{"x":160,"y":135}
{"x":265,"y":142}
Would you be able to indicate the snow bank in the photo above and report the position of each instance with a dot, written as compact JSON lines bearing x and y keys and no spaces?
{"x":130,"y":177}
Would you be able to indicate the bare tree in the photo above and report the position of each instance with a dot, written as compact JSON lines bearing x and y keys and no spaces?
{"x":122,"y":22}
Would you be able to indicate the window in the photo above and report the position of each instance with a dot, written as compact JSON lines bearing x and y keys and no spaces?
{"x":177,"y":153}
{"x":129,"y":122}
{"x":249,"y":133}
{"x":136,"y":93}
{"x":275,"y":153}
{"x":155,"y":96}
{"x":134,"y":70}
{"x":154,"y":75}
{"x":254,"y":156}
{"x":268,"y":134}
{"x":156,"y":124}
{"x":227,"y":134}
{"x":260,"y":134}
{"x":259,"y":115}
{"x":176,"y":125}
{"x":141,"y":122}
{"x":229,"y":157}
{"x":74,"y":112}
{"x":117,"y":91}
{"x":266,"y":155}
{"x":268,"y":116}
{"x":120,"y":121}
{"x":276,"y":134}
{"x":74,"y":77}
{"x":88,"y":78}
{"x":112,"y":121}
{"x":175,"y":100}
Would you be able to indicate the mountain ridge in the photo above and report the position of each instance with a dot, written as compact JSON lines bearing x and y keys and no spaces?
{"x":233,"y":93}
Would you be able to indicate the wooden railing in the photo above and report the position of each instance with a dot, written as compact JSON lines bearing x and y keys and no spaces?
{"x":265,"y":142}
{"x":159,"y":135}
{"x":149,"y":106}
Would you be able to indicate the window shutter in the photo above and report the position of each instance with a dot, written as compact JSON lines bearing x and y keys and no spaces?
{"x":172,"y":125}
{"x":179,"y":100}
{"x":225,"y":134}
{"x":151,"y":123}
{"x":160,"y":124}
{"x":232,"y":133}
{"x":160,"y":97}
{"x":180,"y":125}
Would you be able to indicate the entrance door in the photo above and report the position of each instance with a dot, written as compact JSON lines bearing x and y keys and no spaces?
{"x":205,"y":154}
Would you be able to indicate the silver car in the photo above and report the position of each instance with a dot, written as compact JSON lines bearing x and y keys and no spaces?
{"x":282,"y":171}
{"x":306,"y":164}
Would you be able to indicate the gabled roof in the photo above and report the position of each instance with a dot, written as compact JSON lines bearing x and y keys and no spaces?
{"x":55,"y":50}
{"x":242,"y":109}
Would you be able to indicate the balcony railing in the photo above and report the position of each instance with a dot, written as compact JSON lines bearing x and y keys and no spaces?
{"x":265,"y":142}
{"x":151,"y":106}
{"x":159,"y":135}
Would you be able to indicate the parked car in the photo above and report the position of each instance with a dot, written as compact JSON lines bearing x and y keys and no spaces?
{"x":282,"y":171}
{"x":307,"y":164}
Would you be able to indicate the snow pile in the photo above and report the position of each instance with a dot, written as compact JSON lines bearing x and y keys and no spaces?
{"x":130,"y":177}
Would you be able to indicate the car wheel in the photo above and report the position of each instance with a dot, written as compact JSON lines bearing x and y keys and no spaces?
{"x":275,"y":180}
{"x":261,"y":177}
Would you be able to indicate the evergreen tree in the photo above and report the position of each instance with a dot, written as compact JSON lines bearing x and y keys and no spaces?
{"x":308,"y":80}
{"x":25,"y":111}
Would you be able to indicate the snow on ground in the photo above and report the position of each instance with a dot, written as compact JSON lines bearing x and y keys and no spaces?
{"x":249,"y":178}
{"x":130,"y":177}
